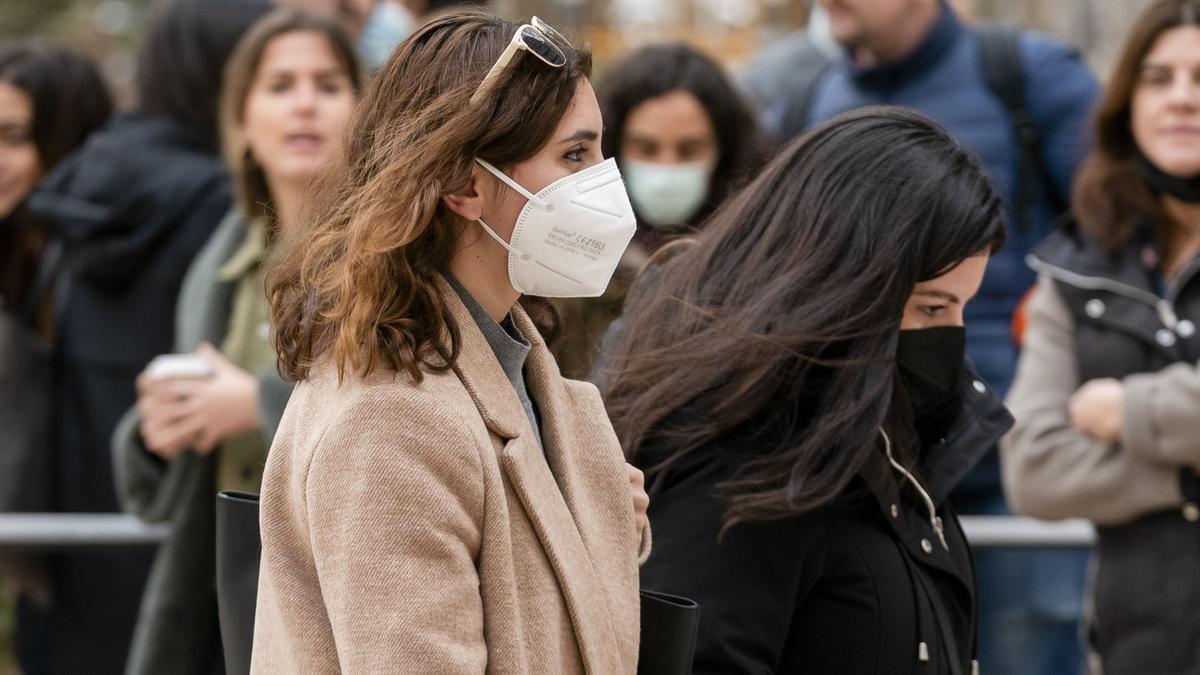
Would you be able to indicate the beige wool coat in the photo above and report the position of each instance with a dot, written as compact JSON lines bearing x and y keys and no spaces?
{"x":419,"y":528}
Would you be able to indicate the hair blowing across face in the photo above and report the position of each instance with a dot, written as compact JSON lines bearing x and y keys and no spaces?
{"x":1110,"y":198}
{"x":774,"y":336}
{"x":358,"y":285}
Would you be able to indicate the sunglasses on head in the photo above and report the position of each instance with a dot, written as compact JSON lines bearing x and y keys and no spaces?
{"x":536,"y":37}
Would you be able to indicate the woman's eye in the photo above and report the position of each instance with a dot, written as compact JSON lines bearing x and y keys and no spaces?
{"x":575,"y":155}
{"x":1155,"y":77}
{"x":15,"y":137}
{"x":332,"y":84}
{"x":932,"y":310}
{"x":280,"y":86}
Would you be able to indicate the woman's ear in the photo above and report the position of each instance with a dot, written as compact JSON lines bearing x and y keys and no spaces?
{"x":467,"y":201}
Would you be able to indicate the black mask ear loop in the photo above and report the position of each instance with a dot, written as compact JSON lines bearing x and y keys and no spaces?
{"x":1183,"y":189}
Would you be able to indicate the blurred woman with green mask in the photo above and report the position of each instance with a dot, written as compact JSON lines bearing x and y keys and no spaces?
{"x":685,"y":140}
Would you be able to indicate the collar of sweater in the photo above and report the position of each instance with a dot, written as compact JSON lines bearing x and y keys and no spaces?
{"x":938,"y":42}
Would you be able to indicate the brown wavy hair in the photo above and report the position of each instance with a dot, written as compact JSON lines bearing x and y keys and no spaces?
{"x":359,"y":285}
{"x":249,"y":181}
{"x":1111,"y":200}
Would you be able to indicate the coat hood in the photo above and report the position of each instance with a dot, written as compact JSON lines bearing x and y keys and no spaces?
{"x":114,"y":200}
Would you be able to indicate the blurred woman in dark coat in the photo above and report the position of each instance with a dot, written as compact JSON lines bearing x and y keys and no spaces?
{"x":51,"y":99}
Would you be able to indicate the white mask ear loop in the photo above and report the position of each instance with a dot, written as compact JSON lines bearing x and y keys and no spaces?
{"x":500,"y":240}
{"x":515,"y":185}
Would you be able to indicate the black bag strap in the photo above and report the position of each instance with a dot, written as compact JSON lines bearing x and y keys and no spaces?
{"x":1004,"y":73}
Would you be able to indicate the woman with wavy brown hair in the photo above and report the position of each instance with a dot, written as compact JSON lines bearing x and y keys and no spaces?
{"x":1107,"y":389}
{"x":438,"y":497}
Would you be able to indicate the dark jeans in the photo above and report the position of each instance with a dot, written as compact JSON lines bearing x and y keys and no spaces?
{"x":1030,"y":605}
{"x":32,"y":638}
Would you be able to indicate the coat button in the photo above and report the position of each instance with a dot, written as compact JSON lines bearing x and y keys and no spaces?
{"x":926,"y":546}
{"x":1094,"y":308}
{"x":979,"y":386}
{"x":1191,"y":512}
{"x":1186,"y":329}
{"x":895,"y":511}
{"x":1165,"y":337}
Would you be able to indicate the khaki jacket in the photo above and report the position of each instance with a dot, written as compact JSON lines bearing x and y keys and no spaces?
{"x":420,"y":528}
{"x":1051,"y":469}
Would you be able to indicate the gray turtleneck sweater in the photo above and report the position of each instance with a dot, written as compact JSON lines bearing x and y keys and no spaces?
{"x":511,"y":348}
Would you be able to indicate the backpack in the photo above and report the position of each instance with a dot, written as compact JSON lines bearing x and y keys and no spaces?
{"x":999,"y":51}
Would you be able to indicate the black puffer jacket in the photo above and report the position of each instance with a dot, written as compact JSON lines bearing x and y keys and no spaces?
{"x":862,"y":586}
{"x":133,"y":207}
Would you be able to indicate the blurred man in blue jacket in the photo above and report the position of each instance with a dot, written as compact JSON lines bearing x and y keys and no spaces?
{"x":919,"y":54}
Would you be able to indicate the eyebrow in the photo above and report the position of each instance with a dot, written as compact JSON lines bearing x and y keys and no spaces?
{"x":336,"y":71}
{"x":934,"y":293}
{"x":580,"y":135}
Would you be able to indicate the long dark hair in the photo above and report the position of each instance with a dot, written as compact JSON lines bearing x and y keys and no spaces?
{"x":182,"y":57}
{"x":68,"y":96}
{"x":69,"y":101}
{"x":774,"y":336}
{"x":1111,"y":200}
{"x":657,"y":70}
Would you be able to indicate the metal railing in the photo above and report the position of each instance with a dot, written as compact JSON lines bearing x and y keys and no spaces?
{"x":53,"y":531}
{"x":56,"y":531}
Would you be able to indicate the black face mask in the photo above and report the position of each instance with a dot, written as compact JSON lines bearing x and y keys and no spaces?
{"x":930,"y":361}
{"x":1183,"y":189}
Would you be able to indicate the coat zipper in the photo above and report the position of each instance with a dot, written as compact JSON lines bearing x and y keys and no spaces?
{"x":1165,"y":307}
{"x":935,"y":521}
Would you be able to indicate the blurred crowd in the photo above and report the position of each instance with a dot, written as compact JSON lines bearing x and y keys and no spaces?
{"x":127,"y":235}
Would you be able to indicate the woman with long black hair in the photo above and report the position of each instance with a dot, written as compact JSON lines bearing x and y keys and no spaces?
{"x":52,"y":99}
{"x":794,"y":386}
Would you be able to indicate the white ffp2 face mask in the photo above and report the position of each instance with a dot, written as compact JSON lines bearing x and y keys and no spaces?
{"x":570,"y":236}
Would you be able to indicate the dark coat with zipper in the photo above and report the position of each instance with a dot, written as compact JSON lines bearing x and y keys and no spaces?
{"x":864,"y":585}
{"x":1099,"y":316}
{"x":132,"y":207}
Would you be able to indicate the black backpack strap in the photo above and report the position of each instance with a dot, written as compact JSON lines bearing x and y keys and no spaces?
{"x":1004,"y":73}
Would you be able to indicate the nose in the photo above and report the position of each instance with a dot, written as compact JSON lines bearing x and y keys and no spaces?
{"x":305,"y":100}
{"x":1185,"y":92}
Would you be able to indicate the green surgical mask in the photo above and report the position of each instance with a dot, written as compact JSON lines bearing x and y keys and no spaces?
{"x":666,"y":194}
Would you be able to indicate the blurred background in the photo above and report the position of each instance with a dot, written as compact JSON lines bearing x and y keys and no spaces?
{"x":731,"y":31}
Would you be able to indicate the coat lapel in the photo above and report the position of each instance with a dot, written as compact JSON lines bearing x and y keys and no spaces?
{"x":539,"y":489}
